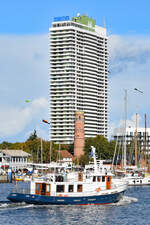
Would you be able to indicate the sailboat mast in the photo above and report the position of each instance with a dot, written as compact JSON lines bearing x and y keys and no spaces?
{"x":41,"y":151}
{"x":135,"y":140}
{"x":125,"y":119}
{"x":145,"y":140}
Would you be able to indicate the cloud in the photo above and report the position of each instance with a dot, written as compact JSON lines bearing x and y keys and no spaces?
{"x":23,"y":68}
{"x":14,"y":120}
{"x":129,"y":68}
{"x":24,"y":63}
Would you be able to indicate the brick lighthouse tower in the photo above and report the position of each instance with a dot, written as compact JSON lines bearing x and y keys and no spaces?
{"x":79,"y":134}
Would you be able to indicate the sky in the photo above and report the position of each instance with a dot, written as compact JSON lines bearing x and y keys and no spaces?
{"x":24,"y":61}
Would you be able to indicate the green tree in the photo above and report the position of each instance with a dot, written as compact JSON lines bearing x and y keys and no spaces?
{"x":33,"y":136}
{"x":84,"y":160}
{"x":5,"y":145}
{"x":100,"y":143}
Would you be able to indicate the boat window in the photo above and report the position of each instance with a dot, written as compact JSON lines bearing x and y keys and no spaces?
{"x":43,"y":189}
{"x":70,"y":188}
{"x":103,"y":179}
{"x":60,"y":188}
{"x":108,"y":179}
{"x":47,"y":188}
{"x":94,"y":179}
{"x":98,"y":179}
{"x":38,"y":187}
{"x":59,"y":179}
{"x":80,"y":176}
{"x":79,"y":188}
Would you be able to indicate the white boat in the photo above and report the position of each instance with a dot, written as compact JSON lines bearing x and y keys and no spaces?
{"x":137,"y":179}
{"x":73,"y":188}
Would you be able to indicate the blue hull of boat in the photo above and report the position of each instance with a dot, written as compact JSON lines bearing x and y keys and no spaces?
{"x":53,"y":200}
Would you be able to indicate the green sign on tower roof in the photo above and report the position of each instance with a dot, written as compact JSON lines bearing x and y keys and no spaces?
{"x":85,"y":20}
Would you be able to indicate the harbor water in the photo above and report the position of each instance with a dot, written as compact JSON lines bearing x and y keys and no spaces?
{"x":133,"y":209}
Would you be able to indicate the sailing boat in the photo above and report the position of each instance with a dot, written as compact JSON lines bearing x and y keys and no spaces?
{"x":136,"y":175}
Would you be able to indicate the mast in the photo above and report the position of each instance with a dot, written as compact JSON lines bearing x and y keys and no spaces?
{"x":50,"y":155}
{"x":42,"y":154}
{"x":135,"y":141}
{"x":125,"y":119}
{"x":41,"y":151}
{"x":145,"y":141}
{"x":135,"y":138}
{"x":94,"y":157}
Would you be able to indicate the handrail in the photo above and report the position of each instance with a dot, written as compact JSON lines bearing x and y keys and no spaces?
{"x":71,"y":194}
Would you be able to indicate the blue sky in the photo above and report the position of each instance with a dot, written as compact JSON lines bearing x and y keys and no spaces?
{"x":35,"y":16}
{"x":24,"y":27}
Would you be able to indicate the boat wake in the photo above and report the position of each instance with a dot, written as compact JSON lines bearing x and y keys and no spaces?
{"x":8,"y":204}
{"x":125,"y":200}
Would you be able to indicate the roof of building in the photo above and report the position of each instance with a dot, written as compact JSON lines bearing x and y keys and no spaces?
{"x":65,"y":154}
{"x":17,"y":153}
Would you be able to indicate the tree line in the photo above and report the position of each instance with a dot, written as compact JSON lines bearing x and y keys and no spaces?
{"x":104,"y":148}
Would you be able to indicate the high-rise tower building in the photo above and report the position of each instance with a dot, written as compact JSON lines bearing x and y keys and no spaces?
{"x":78,"y":77}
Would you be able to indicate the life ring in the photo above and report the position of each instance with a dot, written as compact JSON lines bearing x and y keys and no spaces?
{"x":59,"y":195}
{"x":98,"y":189}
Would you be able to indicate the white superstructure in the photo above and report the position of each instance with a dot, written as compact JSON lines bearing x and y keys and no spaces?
{"x":78,"y":77}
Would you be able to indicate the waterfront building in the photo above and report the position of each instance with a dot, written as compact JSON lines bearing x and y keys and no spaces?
{"x":15,"y":159}
{"x":143,"y":137}
{"x":78,"y":77}
{"x":66,"y":158}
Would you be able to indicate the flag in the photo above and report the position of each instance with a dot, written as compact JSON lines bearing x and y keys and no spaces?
{"x":91,"y":154}
{"x":45,"y":121}
{"x":27,"y":101}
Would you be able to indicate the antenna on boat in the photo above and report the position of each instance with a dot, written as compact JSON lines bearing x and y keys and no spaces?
{"x":94,"y":157}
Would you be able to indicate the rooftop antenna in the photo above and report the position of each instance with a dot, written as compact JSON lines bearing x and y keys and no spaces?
{"x":104,"y":23}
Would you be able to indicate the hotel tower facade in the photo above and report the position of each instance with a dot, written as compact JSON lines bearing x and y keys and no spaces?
{"x":78,"y":77}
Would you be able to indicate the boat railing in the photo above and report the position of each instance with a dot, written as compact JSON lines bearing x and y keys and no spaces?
{"x":21,"y":190}
{"x":65,"y":194}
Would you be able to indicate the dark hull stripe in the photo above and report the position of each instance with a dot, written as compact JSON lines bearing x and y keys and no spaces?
{"x":51,"y":200}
